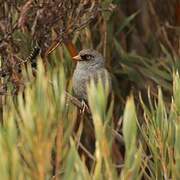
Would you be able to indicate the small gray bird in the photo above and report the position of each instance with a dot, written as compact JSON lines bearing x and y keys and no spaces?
{"x":90,"y":64}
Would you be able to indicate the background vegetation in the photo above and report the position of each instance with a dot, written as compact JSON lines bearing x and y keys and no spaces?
{"x":43,"y":135}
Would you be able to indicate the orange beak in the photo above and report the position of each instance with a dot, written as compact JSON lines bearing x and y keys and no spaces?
{"x":77,"y":58}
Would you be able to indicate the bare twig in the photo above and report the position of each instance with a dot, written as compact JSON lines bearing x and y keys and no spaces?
{"x":84,"y":149}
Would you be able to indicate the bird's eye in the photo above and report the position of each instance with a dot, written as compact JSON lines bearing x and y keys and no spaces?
{"x":86,"y":57}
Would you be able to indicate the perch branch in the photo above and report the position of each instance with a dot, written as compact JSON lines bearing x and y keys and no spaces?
{"x":76,"y":102}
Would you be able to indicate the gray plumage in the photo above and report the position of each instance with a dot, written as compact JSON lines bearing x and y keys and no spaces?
{"x":91,"y":64}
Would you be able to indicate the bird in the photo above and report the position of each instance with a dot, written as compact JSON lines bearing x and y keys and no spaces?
{"x":90,"y":65}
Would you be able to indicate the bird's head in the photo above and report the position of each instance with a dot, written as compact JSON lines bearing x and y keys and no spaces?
{"x":89,"y":57}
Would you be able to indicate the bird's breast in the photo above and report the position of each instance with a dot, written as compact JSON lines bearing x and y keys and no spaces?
{"x":79,"y":81}
{"x":82,"y":77}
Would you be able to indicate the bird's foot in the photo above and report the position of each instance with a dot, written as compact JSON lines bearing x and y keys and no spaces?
{"x":84,"y":107}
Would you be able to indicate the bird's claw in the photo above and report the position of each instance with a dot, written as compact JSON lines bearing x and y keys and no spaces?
{"x":84,"y":107}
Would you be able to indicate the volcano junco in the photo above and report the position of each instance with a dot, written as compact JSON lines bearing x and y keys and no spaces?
{"x":90,"y":64}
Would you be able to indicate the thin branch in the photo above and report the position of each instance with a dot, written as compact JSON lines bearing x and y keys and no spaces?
{"x":84,"y":149}
{"x":76,"y":102}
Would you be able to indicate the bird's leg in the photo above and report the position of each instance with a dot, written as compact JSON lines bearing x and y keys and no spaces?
{"x":84,"y":107}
